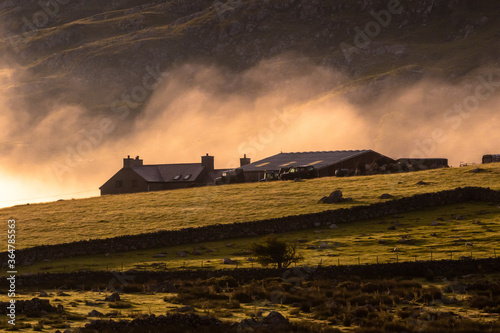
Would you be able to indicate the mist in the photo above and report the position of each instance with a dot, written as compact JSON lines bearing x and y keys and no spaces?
{"x":282,"y":104}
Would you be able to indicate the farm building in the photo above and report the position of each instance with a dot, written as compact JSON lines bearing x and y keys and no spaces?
{"x":429,"y":163}
{"x":137,"y":177}
{"x":491,"y":158}
{"x":325,"y":162}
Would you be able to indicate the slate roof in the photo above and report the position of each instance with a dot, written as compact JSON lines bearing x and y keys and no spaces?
{"x":164,"y":173}
{"x":319,"y":159}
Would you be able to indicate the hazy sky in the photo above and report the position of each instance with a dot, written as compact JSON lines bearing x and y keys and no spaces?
{"x":270,"y":108}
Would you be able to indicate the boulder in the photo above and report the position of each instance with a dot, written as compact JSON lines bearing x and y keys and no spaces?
{"x":386,"y":196}
{"x":227,"y":261}
{"x":113,"y":297}
{"x":95,"y":313}
{"x":276,"y":321}
{"x":334,"y":197}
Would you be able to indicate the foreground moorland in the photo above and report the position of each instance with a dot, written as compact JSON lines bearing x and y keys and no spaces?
{"x":110,"y":216}
{"x":307,"y":300}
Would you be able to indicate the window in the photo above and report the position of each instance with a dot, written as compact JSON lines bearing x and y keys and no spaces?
{"x":177,"y":177}
{"x":134,"y":182}
{"x":186,"y":177}
{"x":119,"y":183}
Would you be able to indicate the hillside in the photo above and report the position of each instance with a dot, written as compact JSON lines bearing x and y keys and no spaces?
{"x":100,"y":51}
{"x":110,"y":216}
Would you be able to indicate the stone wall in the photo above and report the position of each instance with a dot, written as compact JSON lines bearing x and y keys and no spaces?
{"x":120,"y":280}
{"x":246,"y":229}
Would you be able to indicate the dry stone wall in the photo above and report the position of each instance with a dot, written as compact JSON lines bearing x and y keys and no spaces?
{"x":245,"y":229}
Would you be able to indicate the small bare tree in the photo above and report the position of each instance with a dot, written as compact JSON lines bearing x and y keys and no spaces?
{"x":274,"y":251}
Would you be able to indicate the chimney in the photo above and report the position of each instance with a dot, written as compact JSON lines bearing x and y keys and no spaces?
{"x":244,"y":160}
{"x":130,"y":162}
{"x":208,"y":162}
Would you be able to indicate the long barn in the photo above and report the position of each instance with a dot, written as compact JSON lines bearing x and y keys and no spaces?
{"x":326,"y":162}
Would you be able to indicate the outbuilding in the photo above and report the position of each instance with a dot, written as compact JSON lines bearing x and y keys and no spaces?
{"x":325,"y":162}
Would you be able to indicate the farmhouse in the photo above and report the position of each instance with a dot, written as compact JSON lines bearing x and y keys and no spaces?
{"x":137,"y":177}
{"x":326,"y":162}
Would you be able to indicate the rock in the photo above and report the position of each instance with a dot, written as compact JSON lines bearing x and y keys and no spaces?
{"x":423,"y":183}
{"x":334,"y":197}
{"x":333,"y":226}
{"x":386,"y":196}
{"x":43,"y":294}
{"x":435,"y":223}
{"x":183,"y":309}
{"x":196,"y":252}
{"x":392,"y":227}
{"x":159,"y":255}
{"x":311,"y":247}
{"x":382,"y":241}
{"x":95,"y":313}
{"x":113,"y":297}
{"x":403,"y":240}
{"x":317,"y":224}
{"x":395,"y":249}
{"x":62,"y":293}
{"x":181,"y":254}
{"x":276,"y":321}
{"x":227,"y":261}
{"x":323,"y":245}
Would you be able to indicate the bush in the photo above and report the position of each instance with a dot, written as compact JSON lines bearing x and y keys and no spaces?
{"x":274,"y":251}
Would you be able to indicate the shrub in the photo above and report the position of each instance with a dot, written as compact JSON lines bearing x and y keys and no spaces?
{"x":274,"y":251}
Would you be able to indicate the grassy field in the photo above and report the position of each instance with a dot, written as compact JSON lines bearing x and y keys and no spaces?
{"x":366,"y":242}
{"x":109,"y":216}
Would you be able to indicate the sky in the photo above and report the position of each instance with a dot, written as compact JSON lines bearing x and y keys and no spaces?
{"x":69,"y":151}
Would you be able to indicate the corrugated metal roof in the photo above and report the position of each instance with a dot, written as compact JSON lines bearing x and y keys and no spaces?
{"x":319,"y":159}
{"x":163,"y":173}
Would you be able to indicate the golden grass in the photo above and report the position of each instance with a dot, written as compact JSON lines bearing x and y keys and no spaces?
{"x":109,"y":216}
